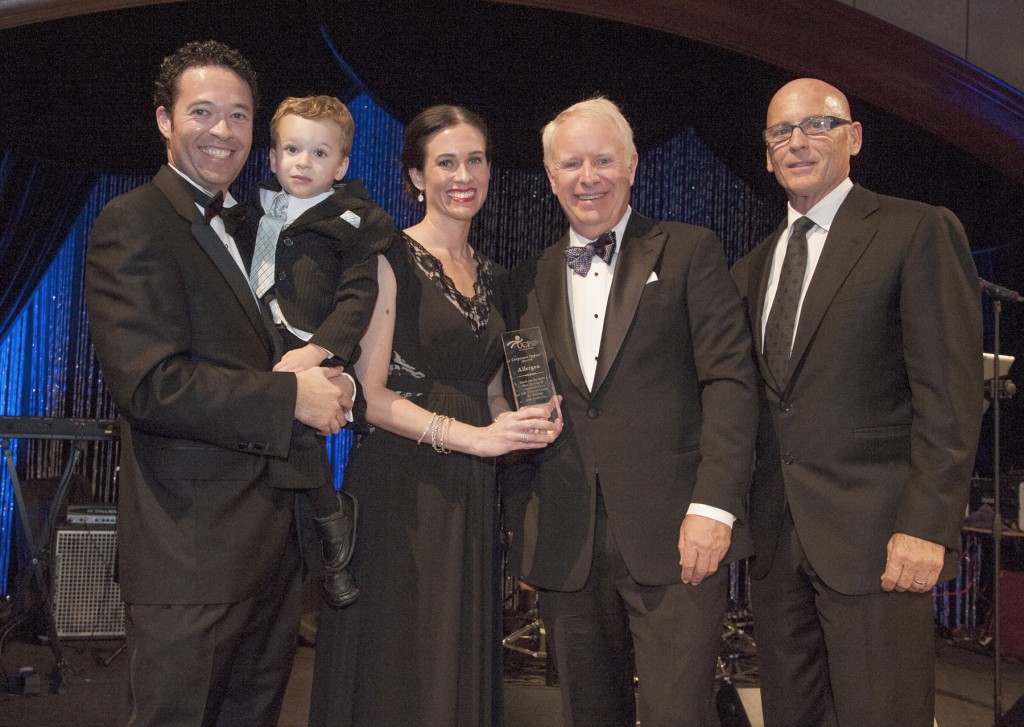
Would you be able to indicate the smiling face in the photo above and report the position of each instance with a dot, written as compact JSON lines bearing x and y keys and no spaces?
{"x":455,"y":172}
{"x":591,"y":173}
{"x":209,"y":130}
{"x":307,"y":155}
{"x":809,"y":167}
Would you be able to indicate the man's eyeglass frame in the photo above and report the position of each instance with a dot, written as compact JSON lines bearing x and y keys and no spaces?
{"x":807,"y":126}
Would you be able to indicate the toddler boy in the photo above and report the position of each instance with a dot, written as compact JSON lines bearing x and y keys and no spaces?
{"x":313,"y":241}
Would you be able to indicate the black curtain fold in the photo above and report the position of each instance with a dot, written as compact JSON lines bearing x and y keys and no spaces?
{"x":39,"y":202}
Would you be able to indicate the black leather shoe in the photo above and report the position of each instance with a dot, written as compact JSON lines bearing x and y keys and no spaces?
{"x":337,"y":533}
{"x":340,"y":588}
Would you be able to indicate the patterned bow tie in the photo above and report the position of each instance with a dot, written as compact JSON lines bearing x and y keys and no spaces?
{"x":579,"y":258}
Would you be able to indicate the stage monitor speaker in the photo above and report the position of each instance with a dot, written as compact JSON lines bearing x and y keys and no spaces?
{"x":86,"y":599}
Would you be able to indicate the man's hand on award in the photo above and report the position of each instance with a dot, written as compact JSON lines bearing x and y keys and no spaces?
{"x":530,"y":427}
{"x":703,"y":542}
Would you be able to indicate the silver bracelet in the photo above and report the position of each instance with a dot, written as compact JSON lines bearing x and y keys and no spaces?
{"x":427,"y":429}
{"x":445,"y":426}
{"x":433,"y":430}
{"x":443,"y":423}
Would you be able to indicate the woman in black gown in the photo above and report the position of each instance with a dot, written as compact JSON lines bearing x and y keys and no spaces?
{"x":421,"y":646}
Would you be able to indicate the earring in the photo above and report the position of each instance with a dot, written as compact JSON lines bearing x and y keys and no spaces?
{"x":420,"y":198}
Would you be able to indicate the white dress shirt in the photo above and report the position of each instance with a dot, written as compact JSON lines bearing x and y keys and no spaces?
{"x":821,"y":215}
{"x":217,"y":223}
{"x":296,"y":207}
{"x":588,"y":299}
{"x":588,"y":302}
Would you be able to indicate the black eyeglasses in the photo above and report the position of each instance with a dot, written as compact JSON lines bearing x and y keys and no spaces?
{"x":811,"y":126}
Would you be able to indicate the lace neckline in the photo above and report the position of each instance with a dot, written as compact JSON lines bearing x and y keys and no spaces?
{"x":477,"y":309}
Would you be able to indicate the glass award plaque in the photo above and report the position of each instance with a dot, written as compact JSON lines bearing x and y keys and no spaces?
{"x":528,"y":367}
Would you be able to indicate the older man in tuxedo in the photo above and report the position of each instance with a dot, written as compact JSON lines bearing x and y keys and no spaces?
{"x":866,"y":322}
{"x":633,"y":511}
{"x":208,"y":556}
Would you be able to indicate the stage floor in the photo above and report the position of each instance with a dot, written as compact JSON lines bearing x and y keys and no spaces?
{"x":963,"y":680}
{"x":964,"y":685}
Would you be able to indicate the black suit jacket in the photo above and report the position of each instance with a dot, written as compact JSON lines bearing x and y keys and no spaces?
{"x":672,"y":415}
{"x":326,"y":269}
{"x":186,"y":353}
{"x":876,"y":429}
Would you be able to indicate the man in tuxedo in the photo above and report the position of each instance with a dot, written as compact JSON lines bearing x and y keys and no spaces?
{"x":867,"y":331}
{"x":208,"y":556}
{"x":633,"y":511}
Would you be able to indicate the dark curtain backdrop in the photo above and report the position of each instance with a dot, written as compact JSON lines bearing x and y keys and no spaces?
{"x":48,"y":367}
{"x":47,"y":364}
{"x":39,"y":201}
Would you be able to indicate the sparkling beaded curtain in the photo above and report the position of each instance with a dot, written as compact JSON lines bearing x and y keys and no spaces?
{"x":48,"y":367}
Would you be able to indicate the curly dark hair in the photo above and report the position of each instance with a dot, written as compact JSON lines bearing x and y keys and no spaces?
{"x":421,"y":130}
{"x":200,"y":53}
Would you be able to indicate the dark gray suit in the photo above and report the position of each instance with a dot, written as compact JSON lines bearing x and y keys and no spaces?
{"x":670,"y":420}
{"x":186,"y":353}
{"x":873,"y":433}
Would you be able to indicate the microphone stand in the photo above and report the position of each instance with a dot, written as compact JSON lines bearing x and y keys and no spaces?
{"x":997,"y":522}
{"x":998,"y":295}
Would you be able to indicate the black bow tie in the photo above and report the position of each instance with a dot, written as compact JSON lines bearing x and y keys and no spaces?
{"x":579,"y":258}
{"x":211,"y":205}
{"x":213,"y":208}
{"x":233,"y":218}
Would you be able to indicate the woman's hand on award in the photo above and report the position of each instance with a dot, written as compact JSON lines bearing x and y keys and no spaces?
{"x":528,"y":428}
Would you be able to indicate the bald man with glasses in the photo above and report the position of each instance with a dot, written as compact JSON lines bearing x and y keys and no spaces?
{"x":866,"y":320}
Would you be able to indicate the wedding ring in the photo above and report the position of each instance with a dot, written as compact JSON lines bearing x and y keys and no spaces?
{"x":920,"y":583}
{"x":526,"y":438}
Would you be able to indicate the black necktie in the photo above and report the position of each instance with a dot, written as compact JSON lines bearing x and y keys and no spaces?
{"x":778,"y":333}
{"x":579,"y":258}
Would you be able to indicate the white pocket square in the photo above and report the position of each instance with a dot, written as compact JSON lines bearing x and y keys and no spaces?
{"x":652,"y":279}
{"x":352,"y":218}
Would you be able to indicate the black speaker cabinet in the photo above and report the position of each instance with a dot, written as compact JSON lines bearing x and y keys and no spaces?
{"x":86,"y":600}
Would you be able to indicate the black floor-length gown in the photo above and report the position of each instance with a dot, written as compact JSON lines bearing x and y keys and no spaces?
{"x":421,"y":645}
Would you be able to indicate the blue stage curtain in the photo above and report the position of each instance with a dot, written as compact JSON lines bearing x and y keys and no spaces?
{"x":38,"y":203}
{"x":48,"y":368}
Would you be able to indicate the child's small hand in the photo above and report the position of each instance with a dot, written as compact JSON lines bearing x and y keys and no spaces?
{"x":307,"y":357}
